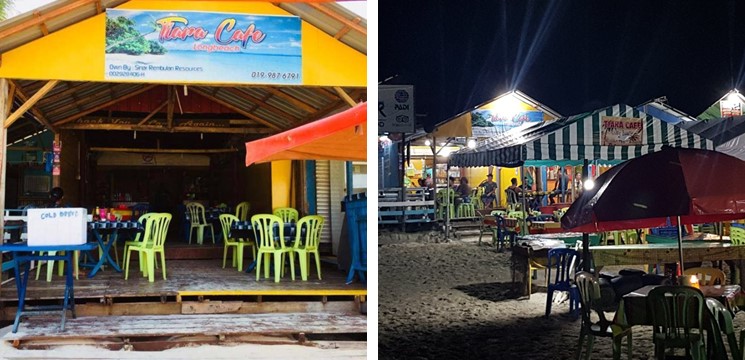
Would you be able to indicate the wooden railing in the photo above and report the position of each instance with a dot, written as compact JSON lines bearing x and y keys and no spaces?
{"x":401,"y":206}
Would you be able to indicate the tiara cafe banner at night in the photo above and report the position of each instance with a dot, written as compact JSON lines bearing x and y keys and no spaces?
{"x":202,"y":46}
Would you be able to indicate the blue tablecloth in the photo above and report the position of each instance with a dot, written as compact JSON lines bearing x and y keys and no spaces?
{"x":244,"y":229}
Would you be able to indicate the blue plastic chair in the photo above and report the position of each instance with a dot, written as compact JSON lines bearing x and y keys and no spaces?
{"x":561,"y":262}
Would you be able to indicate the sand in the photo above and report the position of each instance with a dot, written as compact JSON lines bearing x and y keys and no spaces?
{"x":199,"y":352}
{"x":453,"y":301}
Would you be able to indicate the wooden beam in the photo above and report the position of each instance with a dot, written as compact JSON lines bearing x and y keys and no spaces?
{"x":268,"y":107}
{"x":171,"y":105}
{"x":164,"y":151}
{"x":291,"y":99}
{"x":152,"y":113}
{"x":177,"y":129}
{"x":99,"y":8}
{"x":103,"y":106}
{"x":30,"y":102}
{"x":9,"y":101}
{"x":346,"y":29}
{"x":42,"y":25}
{"x":329,"y":108}
{"x":345,"y":96}
{"x":43,"y":18}
{"x":339,"y":18}
{"x":236,"y":109}
{"x":34,"y":109}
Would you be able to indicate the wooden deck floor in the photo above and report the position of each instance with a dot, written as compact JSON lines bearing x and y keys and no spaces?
{"x":187,"y":278}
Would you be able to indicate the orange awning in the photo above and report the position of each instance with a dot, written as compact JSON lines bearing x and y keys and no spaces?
{"x":338,"y":137}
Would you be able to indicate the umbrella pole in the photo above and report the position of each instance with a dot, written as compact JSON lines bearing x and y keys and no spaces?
{"x":447,"y":202}
{"x":680,"y":244}
{"x":585,"y":236}
{"x":526,"y":213}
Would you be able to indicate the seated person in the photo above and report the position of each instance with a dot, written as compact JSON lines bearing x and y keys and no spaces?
{"x":490,"y":191}
{"x":55,"y":198}
{"x":463,"y":192}
{"x":512,"y":191}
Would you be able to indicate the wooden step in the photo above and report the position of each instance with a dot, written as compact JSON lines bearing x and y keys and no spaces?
{"x":99,"y":327}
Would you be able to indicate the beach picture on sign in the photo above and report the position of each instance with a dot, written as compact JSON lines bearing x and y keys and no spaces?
{"x":203,"y":47}
{"x":620,"y":131}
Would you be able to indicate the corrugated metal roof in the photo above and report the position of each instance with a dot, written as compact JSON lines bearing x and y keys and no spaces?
{"x":333,"y":19}
{"x":281,"y":107}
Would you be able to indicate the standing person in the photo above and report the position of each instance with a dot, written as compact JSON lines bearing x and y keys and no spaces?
{"x":561,"y":186}
{"x":490,"y":191}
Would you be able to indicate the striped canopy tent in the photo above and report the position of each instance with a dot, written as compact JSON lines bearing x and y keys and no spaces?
{"x":728,"y":134}
{"x":577,"y":138}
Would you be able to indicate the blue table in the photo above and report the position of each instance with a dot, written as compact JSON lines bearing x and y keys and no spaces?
{"x":112,"y":229}
{"x":244,"y":230}
{"x":23,"y":255}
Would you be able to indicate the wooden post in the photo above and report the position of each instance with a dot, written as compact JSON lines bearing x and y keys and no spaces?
{"x":4,"y":111}
{"x":3,"y":151}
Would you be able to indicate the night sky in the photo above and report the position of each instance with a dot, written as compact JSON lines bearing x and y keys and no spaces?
{"x":572,"y":56}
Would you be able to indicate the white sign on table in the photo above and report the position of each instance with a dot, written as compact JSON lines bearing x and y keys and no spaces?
{"x":57,"y":226}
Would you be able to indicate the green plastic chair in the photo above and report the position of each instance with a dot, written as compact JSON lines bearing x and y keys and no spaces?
{"x":156,"y":229}
{"x":241,"y":210}
{"x":516,"y":215}
{"x":287,"y":214}
{"x":721,"y":321}
{"x":226,"y":220}
{"x":264,"y":228}
{"x":737,"y":235}
{"x":442,"y":203}
{"x":60,"y":265}
{"x":589,"y":291}
{"x":313,"y":226}
{"x":199,"y":222}
{"x":677,"y":320}
{"x":466,"y":210}
{"x":138,"y":239}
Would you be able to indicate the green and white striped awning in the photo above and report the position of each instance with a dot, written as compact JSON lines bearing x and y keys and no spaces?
{"x":576,"y":138}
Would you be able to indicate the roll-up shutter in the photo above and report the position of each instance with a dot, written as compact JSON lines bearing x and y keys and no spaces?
{"x":323,"y":197}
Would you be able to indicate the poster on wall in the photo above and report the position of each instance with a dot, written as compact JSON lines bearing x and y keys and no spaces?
{"x":620,"y":131}
{"x":191,"y":46}
{"x":491,"y":122}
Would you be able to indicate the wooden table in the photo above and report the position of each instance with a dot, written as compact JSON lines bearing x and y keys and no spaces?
{"x":529,"y":250}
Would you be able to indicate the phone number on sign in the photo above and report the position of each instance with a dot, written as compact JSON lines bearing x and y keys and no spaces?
{"x":275,"y":75}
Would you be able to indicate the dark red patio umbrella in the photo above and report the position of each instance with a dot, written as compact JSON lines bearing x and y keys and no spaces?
{"x":674,"y":184}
